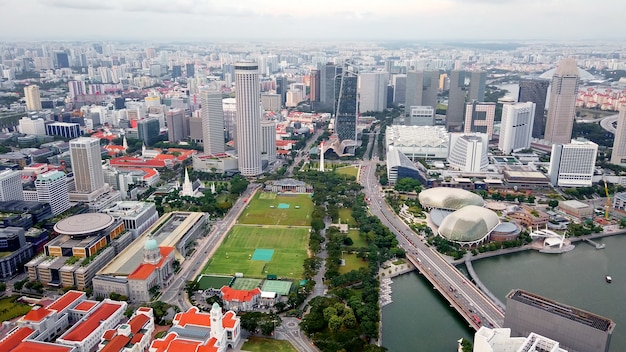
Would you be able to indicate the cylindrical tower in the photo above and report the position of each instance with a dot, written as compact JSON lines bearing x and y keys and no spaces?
{"x":248,"y":120}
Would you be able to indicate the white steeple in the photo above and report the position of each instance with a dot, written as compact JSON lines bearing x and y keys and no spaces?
{"x":322,"y":156}
{"x":217,"y":328}
{"x":187,"y":186}
{"x":125,"y":143}
{"x":213,"y":188}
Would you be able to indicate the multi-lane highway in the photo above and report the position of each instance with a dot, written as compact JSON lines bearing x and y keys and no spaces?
{"x":469,"y":301}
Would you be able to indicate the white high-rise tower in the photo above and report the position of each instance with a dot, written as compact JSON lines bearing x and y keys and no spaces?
{"x":87,"y":164}
{"x":248,"y":98}
{"x":212,"y":122}
{"x":322,"y":156}
{"x":516,"y":126}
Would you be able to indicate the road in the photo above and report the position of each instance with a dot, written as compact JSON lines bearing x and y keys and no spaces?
{"x":607,"y":123}
{"x":205,"y":247}
{"x":452,"y":284}
{"x":304,"y":152}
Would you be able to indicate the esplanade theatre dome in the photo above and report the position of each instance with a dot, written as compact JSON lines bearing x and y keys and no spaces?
{"x":469,"y":226}
{"x":449,"y":198}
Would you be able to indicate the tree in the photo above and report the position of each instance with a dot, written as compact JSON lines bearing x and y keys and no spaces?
{"x":334,"y":323}
{"x":18,"y":285}
{"x":3,"y":287}
{"x":553,"y":203}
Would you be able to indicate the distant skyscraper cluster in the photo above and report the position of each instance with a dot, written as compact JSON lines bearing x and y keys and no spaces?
{"x":458,"y":96}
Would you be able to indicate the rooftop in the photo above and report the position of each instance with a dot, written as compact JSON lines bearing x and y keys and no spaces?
{"x":80,"y":331}
{"x":232,"y":295}
{"x":37,"y":314}
{"x":12,"y":341}
{"x":66,"y":300}
{"x":37,"y":346}
{"x":83,"y":224}
{"x":565,"y":311}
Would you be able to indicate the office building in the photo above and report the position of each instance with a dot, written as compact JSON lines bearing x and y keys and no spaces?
{"x":372,"y":91}
{"x":52,"y":189}
{"x":456,"y":101}
{"x":33,"y":99}
{"x":346,"y":104}
{"x":86,"y":164}
{"x":177,"y":71}
{"x":516,"y":126}
{"x":175,"y":125}
{"x":247,"y":101}
{"x":15,"y":251}
{"x":327,"y":85}
{"x":268,"y":140}
{"x":11,"y":185}
{"x":618,"y":155}
{"x":212,"y":122}
{"x":399,"y":89}
{"x":282,"y":85}
{"x":575,"y":329}
{"x":535,"y":90}
{"x":468,"y":152}
{"x":399,"y":167}
{"x":421,"y":88}
{"x":562,"y":106}
{"x":294,"y":97}
{"x":573,"y":164}
{"x":420,"y":116}
{"x":34,"y":126}
{"x":315,"y":85}
{"x":137,"y":216}
{"x":64,"y":129}
{"x":477,"y":86}
{"x":61,"y":59}
{"x":479,"y":118}
{"x":149,"y":130}
{"x":270,"y":102}
{"x":190,"y":70}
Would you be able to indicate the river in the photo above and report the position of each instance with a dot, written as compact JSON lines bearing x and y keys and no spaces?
{"x":419,"y":317}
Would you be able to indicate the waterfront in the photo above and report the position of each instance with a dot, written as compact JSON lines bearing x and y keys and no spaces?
{"x":418,"y":316}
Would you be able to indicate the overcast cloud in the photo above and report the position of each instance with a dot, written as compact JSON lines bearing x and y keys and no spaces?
{"x":318,"y":19}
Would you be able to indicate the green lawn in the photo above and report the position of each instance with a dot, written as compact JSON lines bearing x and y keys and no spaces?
{"x":262,"y":344}
{"x":357,"y":240}
{"x":345,"y":214}
{"x":348,"y":170}
{"x":352,"y":263}
{"x":10,"y":309}
{"x":289,"y":244}
{"x":259,"y":211}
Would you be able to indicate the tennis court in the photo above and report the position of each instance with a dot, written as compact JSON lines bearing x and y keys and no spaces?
{"x":243,"y":283}
{"x":263,"y":254}
{"x":280,"y":287}
{"x":283,"y":206}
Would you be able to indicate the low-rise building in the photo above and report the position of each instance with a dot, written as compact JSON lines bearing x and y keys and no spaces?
{"x":132,"y":336}
{"x":14,"y":251}
{"x":529,"y":217}
{"x":137,"y":216}
{"x":575,"y":208}
{"x":218,"y":163}
{"x":240,"y":300}
{"x":288,"y":185}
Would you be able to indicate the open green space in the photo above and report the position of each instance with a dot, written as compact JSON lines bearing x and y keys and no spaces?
{"x":345,"y":215}
{"x":242,"y":283}
{"x":263,"y":210}
{"x":358,"y":241}
{"x":235,"y":254}
{"x":348,"y":170}
{"x":262,"y":344}
{"x":212,"y":281}
{"x":10,"y":308}
{"x":352,"y":263}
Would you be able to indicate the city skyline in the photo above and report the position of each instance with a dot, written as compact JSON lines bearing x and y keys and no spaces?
{"x":373,"y":20}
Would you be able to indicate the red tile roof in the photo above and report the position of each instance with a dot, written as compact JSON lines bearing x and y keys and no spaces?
{"x":117,"y":344}
{"x":137,"y":338}
{"x":193,"y":317}
{"x":13,"y":340}
{"x":37,"y":314}
{"x":144,"y":309}
{"x":232,"y":295}
{"x":36,"y":346}
{"x":137,"y":322}
{"x":144,"y":270}
{"x":85,"y":305}
{"x":229,"y":320}
{"x":82,"y":330}
{"x":65,"y":300}
{"x":109,"y":334}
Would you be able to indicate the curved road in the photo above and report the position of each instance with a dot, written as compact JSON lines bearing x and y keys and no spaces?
{"x":463,"y":294}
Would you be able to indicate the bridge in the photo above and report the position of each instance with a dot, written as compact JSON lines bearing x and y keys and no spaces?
{"x":470,"y":302}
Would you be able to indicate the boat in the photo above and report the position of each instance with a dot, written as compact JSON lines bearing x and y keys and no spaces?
{"x":608,"y":279}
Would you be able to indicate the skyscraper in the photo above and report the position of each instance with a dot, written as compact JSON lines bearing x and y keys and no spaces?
{"x":346,"y":105}
{"x":477,"y":86}
{"x":562,"y":109}
{"x":315,"y":85}
{"x":573,"y":164}
{"x":212,"y":122}
{"x":479,"y":117}
{"x":61,"y":59}
{"x":516,"y":126}
{"x":247,"y":101}
{"x":327,"y":85}
{"x":618,"y":156}
{"x":421,"y":88}
{"x":372,"y":90}
{"x":175,"y":125}
{"x":86,"y":164}
{"x":535,"y":90}
{"x":52,"y":189}
{"x":10,"y":186}
{"x":399,"y":89}
{"x":190,"y":70}
{"x":33,"y":100}
{"x":148,"y":130}
{"x":268,"y":140}
{"x":282,"y":86}
{"x":456,"y":102}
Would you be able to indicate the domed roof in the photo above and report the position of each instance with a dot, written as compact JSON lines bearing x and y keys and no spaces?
{"x":151,"y":245}
{"x":469,"y":224}
{"x":449,"y":198}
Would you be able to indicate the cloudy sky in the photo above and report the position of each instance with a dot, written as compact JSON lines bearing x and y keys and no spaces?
{"x":315,"y":19}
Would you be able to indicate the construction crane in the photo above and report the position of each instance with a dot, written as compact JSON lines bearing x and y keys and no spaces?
{"x":607,"y":207}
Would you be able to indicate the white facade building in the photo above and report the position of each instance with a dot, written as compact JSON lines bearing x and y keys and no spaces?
{"x":86,"y":164}
{"x":248,"y":96}
{"x":11,"y":185}
{"x":500,"y":340}
{"x":468,"y":152}
{"x":479,"y":118}
{"x":293,"y":97}
{"x":430,"y":142}
{"x":35,"y":126}
{"x":372,"y":88}
{"x":268,"y":140}
{"x":516,"y":126}
{"x":137,"y":216}
{"x":33,"y":99}
{"x":573,"y":164}
{"x":618,"y":156}
{"x":212,"y":122}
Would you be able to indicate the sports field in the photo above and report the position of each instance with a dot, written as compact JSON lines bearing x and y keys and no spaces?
{"x":348,"y":170}
{"x":271,"y":209}
{"x":236,"y":252}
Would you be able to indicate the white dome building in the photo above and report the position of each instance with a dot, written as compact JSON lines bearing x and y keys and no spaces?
{"x":448,"y":198}
{"x":469,"y":226}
